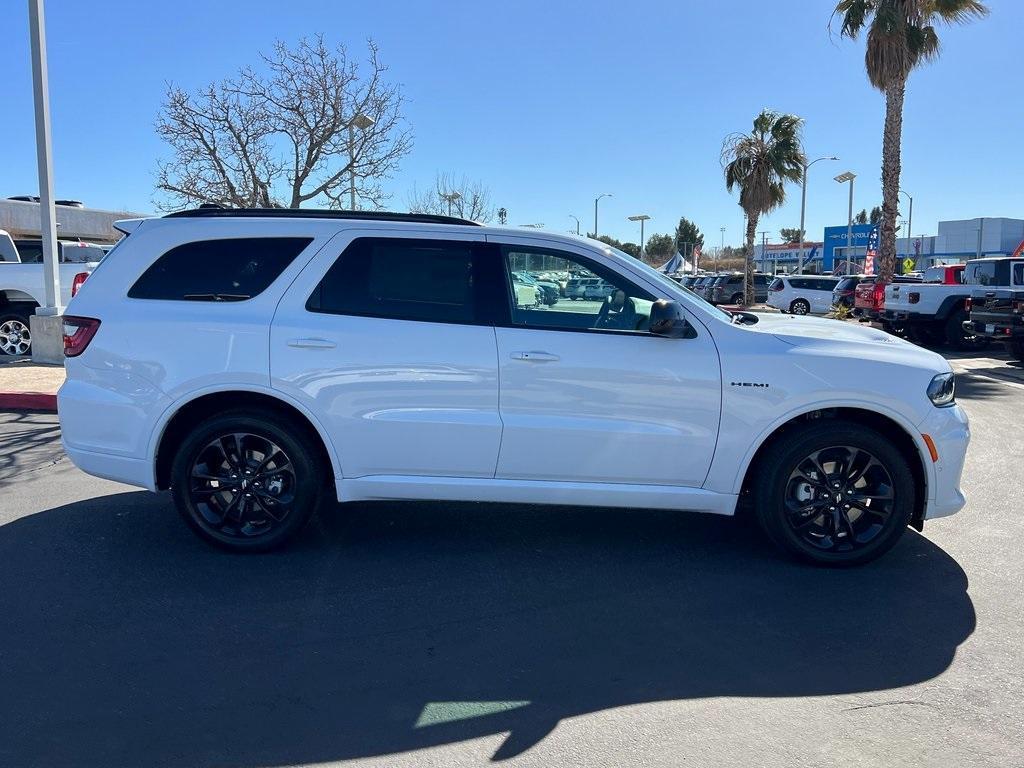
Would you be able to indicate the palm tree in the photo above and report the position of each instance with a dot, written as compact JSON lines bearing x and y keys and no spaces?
{"x":760,"y":163}
{"x":900,"y":36}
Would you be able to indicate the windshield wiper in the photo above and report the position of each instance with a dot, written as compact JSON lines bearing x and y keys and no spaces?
{"x":216,"y":296}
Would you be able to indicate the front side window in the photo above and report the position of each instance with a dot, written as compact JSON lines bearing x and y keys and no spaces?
{"x":218,"y":270}
{"x":607,"y":301}
{"x":987,"y":273}
{"x":402,"y":279}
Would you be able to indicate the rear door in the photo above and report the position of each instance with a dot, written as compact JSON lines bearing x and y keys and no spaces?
{"x":383,"y":337}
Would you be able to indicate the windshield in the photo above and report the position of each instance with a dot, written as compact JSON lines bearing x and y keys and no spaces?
{"x":668,"y":282}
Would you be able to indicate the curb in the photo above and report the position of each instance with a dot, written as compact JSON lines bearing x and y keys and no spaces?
{"x":28,"y":401}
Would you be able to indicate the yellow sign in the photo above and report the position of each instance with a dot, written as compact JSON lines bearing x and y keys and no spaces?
{"x":908,"y":265}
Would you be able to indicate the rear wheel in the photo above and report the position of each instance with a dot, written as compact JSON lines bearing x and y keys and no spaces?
{"x":1016,"y":349}
{"x":834,"y":493}
{"x":246,"y":481}
{"x":737,"y":298}
{"x":15,"y":335}
{"x":958,"y":338}
{"x":800,"y":307}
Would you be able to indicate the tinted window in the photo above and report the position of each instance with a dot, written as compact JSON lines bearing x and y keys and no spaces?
{"x":778,"y":284}
{"x":428,"y":280}
{"x":609,"y":303}
{"x":934,"y":275}
{"x":847,"y":284}
{"x":1018,"y":273}
{"x":823,"y":284}
{"x":30,"y":251}
{"x":218,"y":270}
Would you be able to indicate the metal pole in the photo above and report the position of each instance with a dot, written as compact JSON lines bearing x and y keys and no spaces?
{"x":981,"y":230}
{"x":722,"y":250}
{"x":803,"y":210}
{"x":44,"y":158}
{"x":595,"y":216}
{"x":642,"y":250}
{"x":351,"y":167}
{"x":849,"y":230}
{"x":910,"y":229}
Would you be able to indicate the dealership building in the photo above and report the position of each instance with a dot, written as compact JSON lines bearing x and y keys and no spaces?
{"x":956,"y":242}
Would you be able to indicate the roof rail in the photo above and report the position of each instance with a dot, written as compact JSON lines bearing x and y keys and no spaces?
{"x":317,"y":213}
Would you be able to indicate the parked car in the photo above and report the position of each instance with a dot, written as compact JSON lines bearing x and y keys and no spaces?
{"x":708,"y":289}
{"x":575,"y":287}
{"x":933,"y":312}
{"x":869,"y":296}
{"x":527,"y":294}
{"x":996,"y":304}
{"x":264,"y":363}
{"x":729,"y":290}
{"x":547,"y":291}
{"x":598,"y":291}
{"x":22,"y":284}
{"x":802,"y":294}
{"x":843,"y":293}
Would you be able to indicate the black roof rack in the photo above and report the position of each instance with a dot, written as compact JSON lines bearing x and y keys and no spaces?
{"x":216,"y":212}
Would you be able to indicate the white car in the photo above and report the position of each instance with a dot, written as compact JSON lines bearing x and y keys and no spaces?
{"x":261,"y":364}
{"x":802,"y":294}
{"x":22,"y":284}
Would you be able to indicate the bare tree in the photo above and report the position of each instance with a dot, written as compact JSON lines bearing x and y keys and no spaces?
{"x":463,"y":198}
{"x":308,"y":128}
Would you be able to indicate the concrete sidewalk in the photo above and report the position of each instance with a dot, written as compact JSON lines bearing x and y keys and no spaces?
{"x":26,"y":386}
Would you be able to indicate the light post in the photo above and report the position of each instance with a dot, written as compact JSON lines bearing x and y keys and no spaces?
{"x":842,"y":178}
{"x":641,"y":218}
{"x":803,"y":211}
{"x":910,"y":224}
{"x":596,"y":199}
{"x":450,"y":198}
{"x":577,"y":223}
{"x":362,"y":122}
{"x":45,"y":326}
{"x":722,"y":250}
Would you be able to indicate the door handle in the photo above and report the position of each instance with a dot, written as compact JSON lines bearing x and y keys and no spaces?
{"x":311,"y":343}
{"x":535,"y":357}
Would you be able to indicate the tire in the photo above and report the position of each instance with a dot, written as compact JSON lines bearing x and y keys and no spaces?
{"x":242,"y":519}
{"x":958,"y":338}
{"x":736,"y":299}
{"x":15,"y":334}
{"x":800,"y":307}
{"x":798,"y":511}
{"x":1016,"y":349}
{"x":925,"y":335}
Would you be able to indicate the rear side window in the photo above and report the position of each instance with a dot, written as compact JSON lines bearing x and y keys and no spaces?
{"x":402,"y":279}
{"x":218,"y":270}
{"x":987,"y":273}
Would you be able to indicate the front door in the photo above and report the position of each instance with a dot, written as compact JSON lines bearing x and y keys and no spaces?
{"x":385,"y":340}
{"x":589,"y":395}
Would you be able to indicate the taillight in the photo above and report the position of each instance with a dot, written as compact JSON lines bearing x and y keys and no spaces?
{"x":968,"y":303}
{"x":78,"y":332}
{"x":879,"y":294}
{"x":80,"y":278}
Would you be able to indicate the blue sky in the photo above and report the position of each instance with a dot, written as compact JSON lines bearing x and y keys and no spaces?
{"x":549,"y":103}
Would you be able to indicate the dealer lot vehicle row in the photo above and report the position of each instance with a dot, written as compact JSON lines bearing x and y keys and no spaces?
{"x":264,"y":363}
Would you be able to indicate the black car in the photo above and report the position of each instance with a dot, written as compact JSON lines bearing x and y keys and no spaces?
{"x":843,"y":294}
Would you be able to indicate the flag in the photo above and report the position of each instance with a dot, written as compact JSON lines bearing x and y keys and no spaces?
{"x":696,"y":256}
{"x":869,"y":258}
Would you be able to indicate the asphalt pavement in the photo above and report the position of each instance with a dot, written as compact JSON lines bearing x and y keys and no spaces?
{"x":458,"y":635}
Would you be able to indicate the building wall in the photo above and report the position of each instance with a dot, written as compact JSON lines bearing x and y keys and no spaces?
{"x":960,"y":238}
{"x":23,"y":219}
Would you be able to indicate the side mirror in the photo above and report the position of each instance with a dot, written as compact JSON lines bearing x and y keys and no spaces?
{"x":668,"y":320}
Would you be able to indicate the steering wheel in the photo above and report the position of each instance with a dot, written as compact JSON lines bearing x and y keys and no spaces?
{"x":616,"y":319}
{"x":603,"y":315}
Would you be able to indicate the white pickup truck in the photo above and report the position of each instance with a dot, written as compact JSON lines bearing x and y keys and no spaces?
{"x":933,"y":311}
{"x":21,"y":284}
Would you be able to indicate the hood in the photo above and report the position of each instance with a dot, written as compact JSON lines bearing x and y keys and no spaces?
{"x":842,"y":338}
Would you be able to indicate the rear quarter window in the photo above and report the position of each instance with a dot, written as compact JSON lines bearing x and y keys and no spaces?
{"x":218,"y":270}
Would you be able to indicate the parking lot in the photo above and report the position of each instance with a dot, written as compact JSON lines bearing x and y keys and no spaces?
{"x":441,"y":634}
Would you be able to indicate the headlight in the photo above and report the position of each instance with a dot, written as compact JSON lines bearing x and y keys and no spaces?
{"x":942,"y":390}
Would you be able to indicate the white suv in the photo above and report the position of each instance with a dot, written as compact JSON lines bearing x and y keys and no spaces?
{"x":261,"y":364}
{"x":802,"y":294}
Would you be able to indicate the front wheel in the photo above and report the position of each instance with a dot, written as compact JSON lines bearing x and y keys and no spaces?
{"x":247,"y":482}
{"x":834,"y":493}
{"x":737,"y":299}
{"x":961,"y":339}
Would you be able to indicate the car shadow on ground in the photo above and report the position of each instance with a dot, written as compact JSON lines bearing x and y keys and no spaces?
{"x":28,"y":441}
{"x":394,"y":627}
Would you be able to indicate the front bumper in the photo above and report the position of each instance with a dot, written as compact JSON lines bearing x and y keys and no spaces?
{"x":950,"y":432}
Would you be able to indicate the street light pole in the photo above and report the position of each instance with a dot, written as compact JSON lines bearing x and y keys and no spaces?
{"x":451,"y":197}
{"x":577,"y":223}
{"x":598,"y":198}
{"x":641,"y":218}
{"x":362,"y":122}
{"x":44,"y":159}
{"x":842,"y":178}
{"x":722,"y":250}
{"x":803,"y":211}
{"x":910,"y":225}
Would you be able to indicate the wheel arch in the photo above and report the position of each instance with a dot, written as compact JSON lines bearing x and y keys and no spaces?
{"x":901,"y":436}
{"x":186,"y":413}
